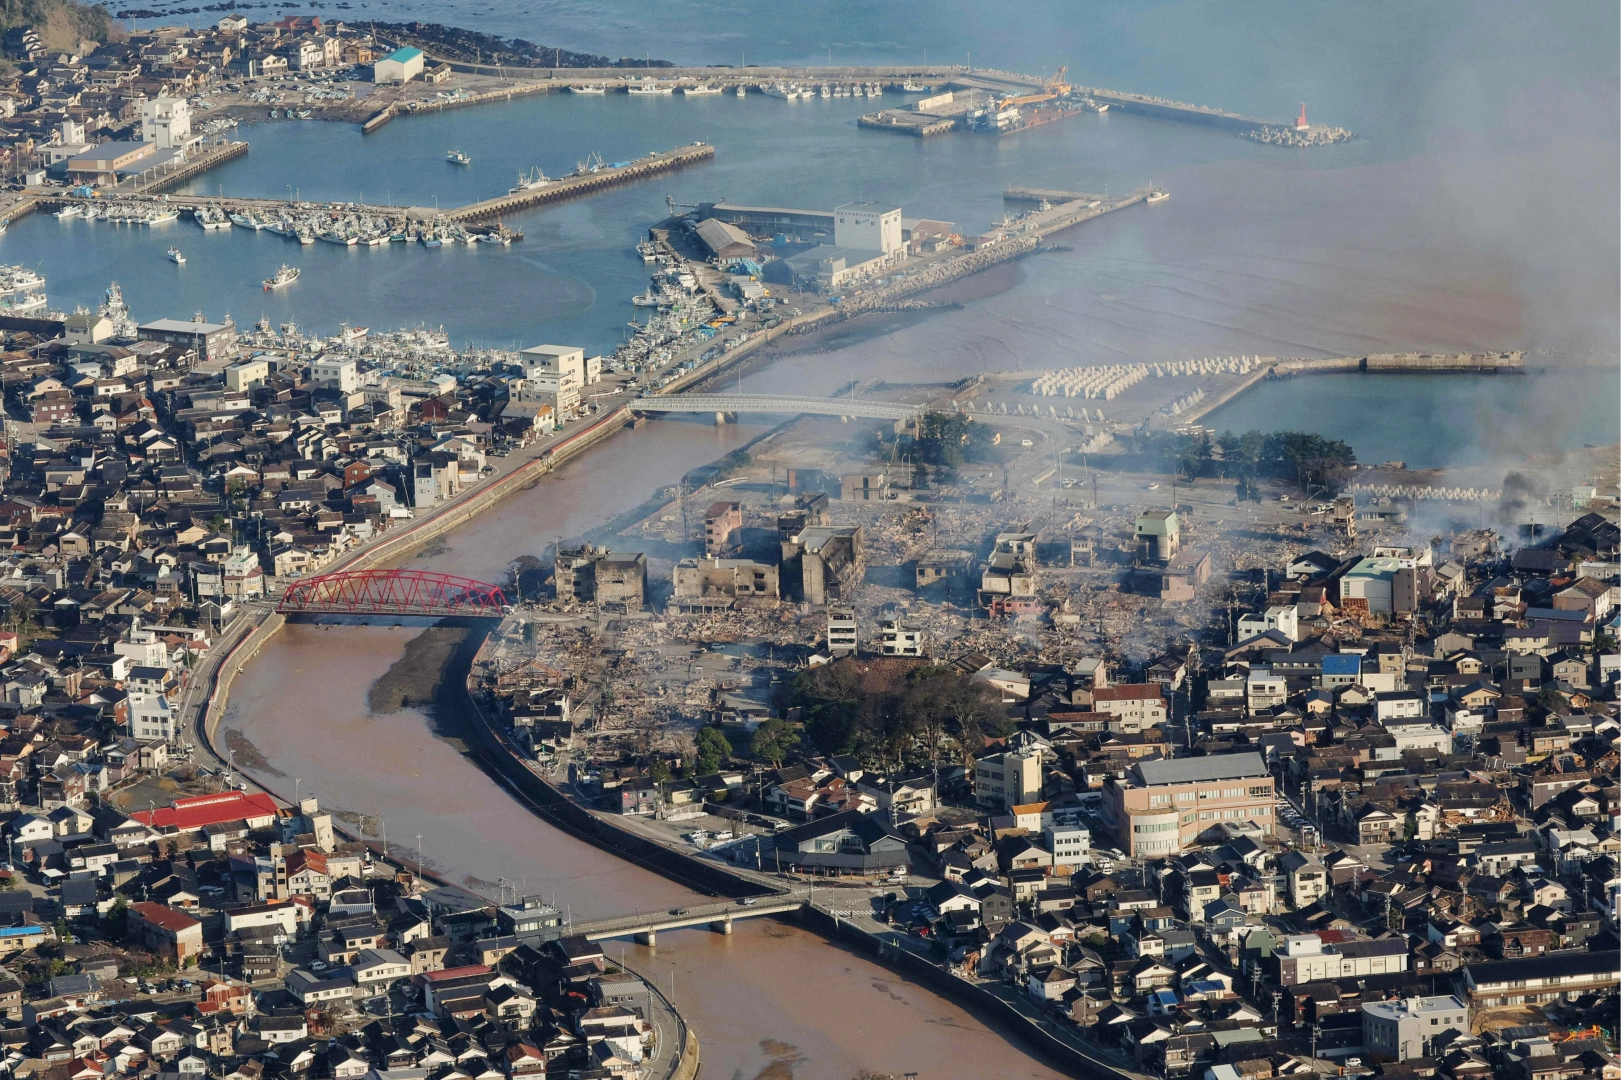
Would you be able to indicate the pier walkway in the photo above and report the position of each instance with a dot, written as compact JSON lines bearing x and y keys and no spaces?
{"x":644,"y":926}
{"x":571,"y":187}
{"x":1179,"y":110}
{"x":769,"y":403}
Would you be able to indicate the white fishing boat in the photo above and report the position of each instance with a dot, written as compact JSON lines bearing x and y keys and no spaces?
{"x":285,"y":276}
{"x":1158,"y":195}
{"x":176,"y":258}
{"x":646,"y":299}
{"x":700,"y":91}
{"x":649,"y":88}
{"x":529,"y":181}
{"x":826,"y":91}
{"x":582,"y":88}
{"x":742,"y":90}
{"x":456,"y":157}
{"x":164,"y":216}
{"x":913,"y":87}
{"x":72,"y":210}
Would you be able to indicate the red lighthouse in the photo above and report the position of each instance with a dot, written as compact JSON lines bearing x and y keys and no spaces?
{"x":1300,"y":121}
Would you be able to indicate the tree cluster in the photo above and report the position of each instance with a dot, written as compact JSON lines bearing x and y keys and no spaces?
{"x":891,"y":715}
{"x":946,"y":440}
{"x":1300,"y":457}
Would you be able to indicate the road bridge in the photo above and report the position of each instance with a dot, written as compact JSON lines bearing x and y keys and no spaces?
{"x":644,"y":926}
{"x":774,"y":403}
{"x":391,"y":592}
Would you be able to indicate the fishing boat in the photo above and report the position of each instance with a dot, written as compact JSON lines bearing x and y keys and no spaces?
{"x":285,"y":276}
{"x":826,"y":91}
{"x":163,"y":217}
{"x":649,"y":88}
{"x":432,"y":241}
{"x":700,"y":91}
{"x":648,"y":251}
{"x":1097,"y":106}
{"x":742,"y":90}
{"x":306,"y":237}
{"x":646,"y":299}
{"x":70,"y":211}
{"x":347,"y":240}
{"x":456,"y":157}
{"x":582,"y":88}
{"x":913,"y":87}
{"x":1158,"y":195}
{"x":176,"y":258}
{"x":529,"y":181}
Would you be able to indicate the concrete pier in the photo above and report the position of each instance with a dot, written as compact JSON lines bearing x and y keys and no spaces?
{"x":572,"y":187}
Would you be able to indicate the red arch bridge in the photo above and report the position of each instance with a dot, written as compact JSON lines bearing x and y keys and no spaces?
{"x":391,"y":592}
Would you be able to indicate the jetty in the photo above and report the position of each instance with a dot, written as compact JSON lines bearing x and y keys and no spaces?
{"x":585,"y":183}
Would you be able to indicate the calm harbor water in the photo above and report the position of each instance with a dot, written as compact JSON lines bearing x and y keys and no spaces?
{"x":1477,"y":210}
{"x":1433,"y":421}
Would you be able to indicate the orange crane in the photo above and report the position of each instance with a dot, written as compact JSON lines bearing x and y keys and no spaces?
{"x":1054,"y":87}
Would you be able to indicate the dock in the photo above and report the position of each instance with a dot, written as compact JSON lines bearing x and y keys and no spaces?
{"x":1044,"y":223}
{"x":1048,"y":195}
{"x":1166,"y":109}
{"x":572,"y":187}
{"x":208,"y":158}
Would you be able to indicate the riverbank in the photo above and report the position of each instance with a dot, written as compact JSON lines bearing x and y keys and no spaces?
{"x":506,"y":763}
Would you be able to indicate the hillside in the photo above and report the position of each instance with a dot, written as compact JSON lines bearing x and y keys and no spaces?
{"x":61,"y":24}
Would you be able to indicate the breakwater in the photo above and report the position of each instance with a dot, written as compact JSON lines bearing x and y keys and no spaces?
{"x":572,"y":187}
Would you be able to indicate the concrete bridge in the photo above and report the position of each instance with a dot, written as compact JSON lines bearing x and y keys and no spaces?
{"x":644,"y":927}
{"x":721,"y":404}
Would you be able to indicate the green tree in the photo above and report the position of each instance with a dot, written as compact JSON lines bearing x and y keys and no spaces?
{"x":659,"y":773}
{"x":1409,"y":827}
{"x":713,"y":749}
{"x":115,"y":924}
{"x":772,"y":741}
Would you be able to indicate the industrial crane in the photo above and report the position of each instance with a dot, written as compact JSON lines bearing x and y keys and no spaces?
{"x":1052,"y":89}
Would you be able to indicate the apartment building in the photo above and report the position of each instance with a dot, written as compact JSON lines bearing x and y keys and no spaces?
{"x":1003,"y":781}
{"x":1133,"y":707}
{"x":1161,"y":807}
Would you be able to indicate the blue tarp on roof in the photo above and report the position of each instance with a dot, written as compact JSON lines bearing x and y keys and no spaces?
{"x":1342,"y":664}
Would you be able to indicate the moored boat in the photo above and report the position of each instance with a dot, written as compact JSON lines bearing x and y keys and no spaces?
{"x":176,"y":257}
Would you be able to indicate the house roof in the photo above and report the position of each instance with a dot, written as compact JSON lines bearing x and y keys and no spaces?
{"x":203,"y":810}
{"x":1193,"y":770}
{"x":162,"y":915}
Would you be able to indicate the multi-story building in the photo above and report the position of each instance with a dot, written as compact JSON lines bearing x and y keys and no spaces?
{"x":841,"y":632}
{"x":1133,"y":707}
{"x":1003,"y":781}
{"x":1071,"y":845}
{"x":1161,"y":807}
{"x":1408,"y":1027}
{"x":895,"y":638}
{"x":721,"y":520}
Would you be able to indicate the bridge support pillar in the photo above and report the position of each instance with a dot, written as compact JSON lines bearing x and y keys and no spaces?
{"x":723,"y":927}
{"x":650,"y":938}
